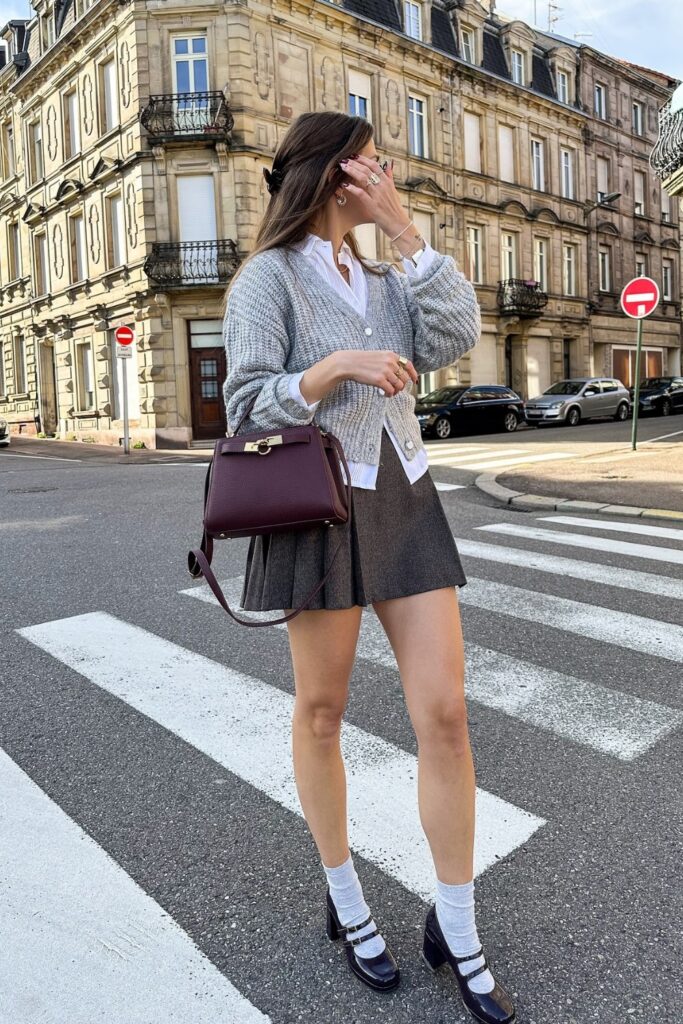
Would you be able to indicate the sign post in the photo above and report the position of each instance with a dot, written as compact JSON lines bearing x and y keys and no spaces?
{"x":639,"y":298}
{"x":125,"y":336}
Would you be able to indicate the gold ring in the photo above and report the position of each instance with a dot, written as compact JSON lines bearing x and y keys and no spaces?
{"x":373,"y":179}
{"x":402,"y":360}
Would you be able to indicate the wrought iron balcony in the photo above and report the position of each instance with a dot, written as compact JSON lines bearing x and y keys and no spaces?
{"x":667,"y":156}
{"x":186,"y":116}
{"x":183,"y":264}
{"x":521,"y":298}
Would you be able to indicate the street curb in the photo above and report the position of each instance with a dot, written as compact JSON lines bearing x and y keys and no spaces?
{"x":517,"y":499}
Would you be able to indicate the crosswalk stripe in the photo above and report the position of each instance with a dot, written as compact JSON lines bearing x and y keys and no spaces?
{"x":522,"y":460}
{"x":608,"y":721}
{"x":471,"y":456}
{"x":244,"y":724}
{"x":81,"y":940}
{"x":441,"y":446}
{"x":648,"y":529}
{"x":594,"y":572}
{"x":440,"y":486}
{"x":633,"y":632}
{"x":655,"y":554}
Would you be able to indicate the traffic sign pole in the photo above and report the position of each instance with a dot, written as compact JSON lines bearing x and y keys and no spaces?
{"x":124,"y":380}
{"x":636,"y":391}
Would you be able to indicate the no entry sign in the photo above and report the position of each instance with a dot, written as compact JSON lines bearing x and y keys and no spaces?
{"x":640,"y":297}
{"x":124,"y":335}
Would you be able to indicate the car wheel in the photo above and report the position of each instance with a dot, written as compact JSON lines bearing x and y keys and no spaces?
{"x":443,"y":428}
{"x":572,"y":417}
{"x":666,"y":407}
{"x":622,"y":411}
{"x":511,"y":421}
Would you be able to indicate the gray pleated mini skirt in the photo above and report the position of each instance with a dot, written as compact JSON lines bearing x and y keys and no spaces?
{"x":398,"y":543}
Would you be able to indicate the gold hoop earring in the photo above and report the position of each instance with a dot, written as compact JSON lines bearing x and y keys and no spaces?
{"x":341,"y":200}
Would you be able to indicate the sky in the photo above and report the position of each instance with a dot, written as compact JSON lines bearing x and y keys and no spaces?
{"x":648,"y":32}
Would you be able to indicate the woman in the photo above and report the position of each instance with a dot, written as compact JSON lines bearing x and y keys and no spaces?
{"x":314,"y":329}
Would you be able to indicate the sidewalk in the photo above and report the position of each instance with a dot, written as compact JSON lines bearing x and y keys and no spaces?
{"x":100,"y":454}
{"x":646,"y":482}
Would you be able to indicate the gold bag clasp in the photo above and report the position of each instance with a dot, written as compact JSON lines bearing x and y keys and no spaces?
{"x":263,"y":445}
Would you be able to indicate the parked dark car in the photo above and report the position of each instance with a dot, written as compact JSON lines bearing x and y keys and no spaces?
{"x":661,"y":395}
{"x":469,"y":410}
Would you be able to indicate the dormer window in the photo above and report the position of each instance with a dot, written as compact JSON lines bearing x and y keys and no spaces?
{"x":517,"y":67}
{"x":413,"y":19}
{"x":468,"y":43}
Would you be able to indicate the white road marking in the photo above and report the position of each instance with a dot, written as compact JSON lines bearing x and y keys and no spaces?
{"x":457,"y":460}
{"x":649,"y":440}
{"x":81,"y":940}
{"x":449,"y":487}
{"x":617,"y":527}
{"x":609,"y":721}
{"x":244,"y":724}
{"x":623,"y":548}
{"x":54,"y":458}
{"x":522,"y":460}
{"x":43,"y":524}
{"x":595,"y":572}
{"x":632,"y":632}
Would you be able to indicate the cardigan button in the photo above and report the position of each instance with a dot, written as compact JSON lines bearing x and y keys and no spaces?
{"x":409,"y":444}
{"x":368,"y":331}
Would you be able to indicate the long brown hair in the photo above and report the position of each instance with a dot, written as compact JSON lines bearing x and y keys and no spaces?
{"x":305,"y":174}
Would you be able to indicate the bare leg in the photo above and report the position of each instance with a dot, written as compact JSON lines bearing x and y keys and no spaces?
{"x":323,"y":647}
{"x":425,"y":633}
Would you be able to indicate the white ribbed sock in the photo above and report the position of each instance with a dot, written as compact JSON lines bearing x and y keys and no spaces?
{"x":455,"y":913}
{"x":347,"y":896}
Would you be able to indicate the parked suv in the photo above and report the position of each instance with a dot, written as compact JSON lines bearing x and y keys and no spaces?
{"x":469,"y":410}
{"x":662,"y":395}
{"x":580,"y":398}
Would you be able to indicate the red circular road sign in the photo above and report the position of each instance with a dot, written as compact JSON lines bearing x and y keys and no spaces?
{"x":124,"y":335}
{"x":640,"y":297}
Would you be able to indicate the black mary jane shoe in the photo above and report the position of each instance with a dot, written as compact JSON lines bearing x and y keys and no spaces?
{"x":494,"y":1007}
{"x":379,"y":972}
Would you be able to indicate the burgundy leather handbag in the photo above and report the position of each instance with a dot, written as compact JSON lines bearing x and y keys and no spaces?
{"x":267,"y":480}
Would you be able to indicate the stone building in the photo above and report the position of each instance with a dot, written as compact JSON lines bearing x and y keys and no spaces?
{"x":133,"y":133}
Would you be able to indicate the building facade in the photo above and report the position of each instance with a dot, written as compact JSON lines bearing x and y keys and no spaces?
{"x":133,"y":133}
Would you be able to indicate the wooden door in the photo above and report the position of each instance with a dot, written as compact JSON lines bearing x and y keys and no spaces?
{"x":207,"y":373}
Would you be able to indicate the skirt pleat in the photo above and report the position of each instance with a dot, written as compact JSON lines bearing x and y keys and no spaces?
{"x":398,"y":543}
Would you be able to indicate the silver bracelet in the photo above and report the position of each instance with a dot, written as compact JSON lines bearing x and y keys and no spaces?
{"x":401,"y":232}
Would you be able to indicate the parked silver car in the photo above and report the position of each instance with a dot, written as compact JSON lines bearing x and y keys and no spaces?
{"x":4,"y":432}
{"x":580,"y":398}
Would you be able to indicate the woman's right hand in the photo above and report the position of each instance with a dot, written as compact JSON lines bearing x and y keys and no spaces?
{"x":378,"y":368}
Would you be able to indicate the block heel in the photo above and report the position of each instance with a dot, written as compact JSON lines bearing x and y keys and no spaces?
{"x":432,"y":954}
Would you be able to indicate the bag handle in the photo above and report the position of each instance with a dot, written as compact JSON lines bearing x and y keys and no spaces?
{"x":199,"y":559}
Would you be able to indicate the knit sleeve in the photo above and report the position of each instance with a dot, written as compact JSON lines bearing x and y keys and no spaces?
{"x":445,"y":314}
{"x":257,"y":347}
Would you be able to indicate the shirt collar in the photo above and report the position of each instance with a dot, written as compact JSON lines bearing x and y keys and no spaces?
{"x":312,"y":241}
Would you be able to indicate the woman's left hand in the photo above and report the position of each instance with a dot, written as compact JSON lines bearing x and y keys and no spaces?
{"x":381,"y":202}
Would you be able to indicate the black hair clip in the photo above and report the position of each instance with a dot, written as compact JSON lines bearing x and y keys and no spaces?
{"x":274,"y":179}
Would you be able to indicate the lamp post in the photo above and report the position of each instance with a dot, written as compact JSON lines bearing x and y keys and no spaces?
{"x":587,"y":209}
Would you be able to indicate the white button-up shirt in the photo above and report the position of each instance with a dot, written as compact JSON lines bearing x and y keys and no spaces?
{"x":319,"y":252}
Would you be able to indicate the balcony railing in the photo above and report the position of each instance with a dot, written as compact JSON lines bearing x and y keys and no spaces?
{"x":183,"y":116}
{"x":521,"y":298}
{"x":183,"y":264}
{"x":667,"y":155}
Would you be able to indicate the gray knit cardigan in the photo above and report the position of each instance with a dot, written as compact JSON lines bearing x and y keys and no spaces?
{"x":282,"y":317}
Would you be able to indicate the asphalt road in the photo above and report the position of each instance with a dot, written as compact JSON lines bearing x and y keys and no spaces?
{"x":156,"y":867}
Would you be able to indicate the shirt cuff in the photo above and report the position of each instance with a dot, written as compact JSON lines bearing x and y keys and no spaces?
{"x":295,"y":392}
{"x":424,"y":261}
